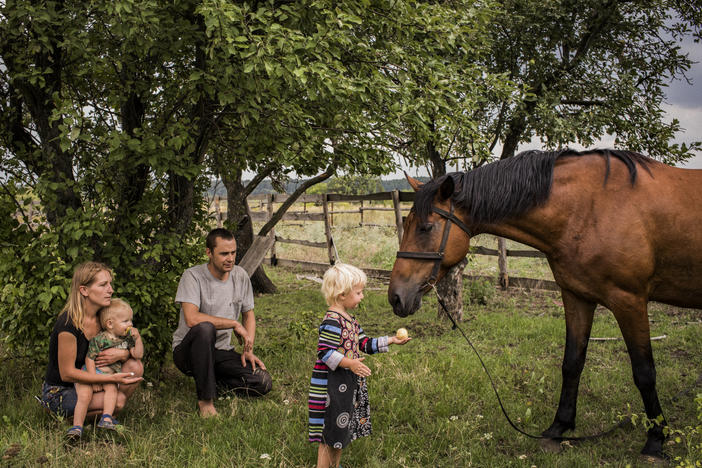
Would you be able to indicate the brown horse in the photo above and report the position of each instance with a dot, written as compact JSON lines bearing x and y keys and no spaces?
{"x":618,"y":229}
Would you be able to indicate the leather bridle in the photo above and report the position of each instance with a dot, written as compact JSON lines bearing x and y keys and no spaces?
{"x":437,"y":257}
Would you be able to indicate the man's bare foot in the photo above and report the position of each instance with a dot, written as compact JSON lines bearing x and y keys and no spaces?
{"x":206,"y":408}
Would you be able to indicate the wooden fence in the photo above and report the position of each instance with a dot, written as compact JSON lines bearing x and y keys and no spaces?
{"x":261,"y":209}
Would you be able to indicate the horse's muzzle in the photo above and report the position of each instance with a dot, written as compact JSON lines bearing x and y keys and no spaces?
{"x":404,"y":302}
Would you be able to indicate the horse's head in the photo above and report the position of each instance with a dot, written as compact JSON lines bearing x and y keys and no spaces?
{"x":429,"y":246}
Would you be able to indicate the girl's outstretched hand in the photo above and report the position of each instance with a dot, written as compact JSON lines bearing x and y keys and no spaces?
{"x":396,"y":340}
{"x":358,"y":368}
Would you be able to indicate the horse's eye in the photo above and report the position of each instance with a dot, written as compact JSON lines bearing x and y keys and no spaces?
{"x":426,"y":227}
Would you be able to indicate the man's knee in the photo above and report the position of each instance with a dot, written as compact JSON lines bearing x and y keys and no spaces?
{"x":204,"y":331}
{"x":262,"y":382}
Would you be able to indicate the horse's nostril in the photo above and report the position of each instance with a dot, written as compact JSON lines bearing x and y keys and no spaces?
{"x":395,"y":301}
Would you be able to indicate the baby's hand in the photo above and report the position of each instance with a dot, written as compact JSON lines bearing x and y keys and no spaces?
{"x":358,"y":368}
{"x":134,"y":332}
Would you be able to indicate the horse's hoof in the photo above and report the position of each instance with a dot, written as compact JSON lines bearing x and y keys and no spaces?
{"x":653,"y":453}
{"x":550,"y":445}
{"x":659,"y":460}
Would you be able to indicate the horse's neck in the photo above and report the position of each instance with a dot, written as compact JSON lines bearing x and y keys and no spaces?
{"x":531,"y":230}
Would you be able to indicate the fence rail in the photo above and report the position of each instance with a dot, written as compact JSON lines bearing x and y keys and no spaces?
{"x":265,"y":203}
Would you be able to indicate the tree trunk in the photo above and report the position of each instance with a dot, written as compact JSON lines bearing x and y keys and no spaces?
{"x":438,"y":165}
{"x":450,"y":288}
{"x":239,"y":222}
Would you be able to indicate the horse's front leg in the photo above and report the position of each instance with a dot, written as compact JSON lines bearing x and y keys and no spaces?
{"x":578,"y":316}
{"x":637,"y":336}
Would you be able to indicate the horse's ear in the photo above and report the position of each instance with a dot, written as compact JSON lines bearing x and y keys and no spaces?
{"x":414,"y":183}
{"x":447,"y":187}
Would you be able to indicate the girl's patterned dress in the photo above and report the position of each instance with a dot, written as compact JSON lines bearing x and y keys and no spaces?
{"x":339,"y":411}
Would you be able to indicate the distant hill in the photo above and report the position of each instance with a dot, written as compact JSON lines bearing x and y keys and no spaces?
{"x":266,"y":187}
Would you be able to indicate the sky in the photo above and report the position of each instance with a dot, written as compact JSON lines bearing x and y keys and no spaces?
{"x":685,"y":101}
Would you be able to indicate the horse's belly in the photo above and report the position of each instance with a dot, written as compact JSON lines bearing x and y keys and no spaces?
{"x":682,"y":288}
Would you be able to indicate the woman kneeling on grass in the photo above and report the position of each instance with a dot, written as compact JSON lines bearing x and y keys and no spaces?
{"x":91,"y":290}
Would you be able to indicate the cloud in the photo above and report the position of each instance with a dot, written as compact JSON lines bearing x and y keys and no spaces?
{"x":680,"y":92}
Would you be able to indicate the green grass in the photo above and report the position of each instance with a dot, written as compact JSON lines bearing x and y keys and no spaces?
{"x":432,"y":405}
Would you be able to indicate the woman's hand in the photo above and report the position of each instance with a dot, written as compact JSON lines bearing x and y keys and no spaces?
{"x":126,"y":378}
{"x":357,"y":367}
{"x":110,"y":356}
{"x":97,"y":387}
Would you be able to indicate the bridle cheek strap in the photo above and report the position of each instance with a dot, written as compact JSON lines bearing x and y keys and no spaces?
{"x":437,"y":257}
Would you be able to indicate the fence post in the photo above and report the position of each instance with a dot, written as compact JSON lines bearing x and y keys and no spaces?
{"x":361,"y":210}
{"x":327,"y":229}
{"x":502,"y":262}
{"x":398,"y":214}
{"x":269,"y":200}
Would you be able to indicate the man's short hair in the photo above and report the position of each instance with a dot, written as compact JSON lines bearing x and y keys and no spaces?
{"x":218,"y":233}
{"x":341,"y":279}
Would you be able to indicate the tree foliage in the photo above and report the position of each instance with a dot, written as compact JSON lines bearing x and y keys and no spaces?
{"x":582,"y":71}
{"x":115,"y":115}
{"x":354,"y":185}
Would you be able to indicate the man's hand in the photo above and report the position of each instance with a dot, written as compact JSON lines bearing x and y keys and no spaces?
{"x":244,"y":338}
{"x":251,"y":357}
{"x":110,"y":356}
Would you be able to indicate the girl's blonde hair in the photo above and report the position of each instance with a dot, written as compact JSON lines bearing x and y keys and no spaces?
{"x":341,"y":279}
{"x":84,"y":275}
{"x":108,"y":312}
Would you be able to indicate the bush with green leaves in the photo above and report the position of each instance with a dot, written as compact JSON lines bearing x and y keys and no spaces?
{"x":691,"y":436}
{"x":37,"y":263}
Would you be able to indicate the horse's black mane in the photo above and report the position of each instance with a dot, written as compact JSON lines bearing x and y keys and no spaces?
{"x":512,"y":186}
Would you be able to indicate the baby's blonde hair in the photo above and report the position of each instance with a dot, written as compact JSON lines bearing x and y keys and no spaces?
{"x":341,"y":279}
{"x":108,"y":312}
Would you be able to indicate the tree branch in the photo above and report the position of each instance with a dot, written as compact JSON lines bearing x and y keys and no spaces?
{"x":294,"y":196}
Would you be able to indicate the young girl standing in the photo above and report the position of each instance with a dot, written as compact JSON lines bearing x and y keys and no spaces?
{"x":339,"y":411}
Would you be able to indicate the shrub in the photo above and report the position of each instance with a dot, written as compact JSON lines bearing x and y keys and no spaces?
{"x":479,"y":291}
{"x":691,"y":436}
{"x":37,"y":263}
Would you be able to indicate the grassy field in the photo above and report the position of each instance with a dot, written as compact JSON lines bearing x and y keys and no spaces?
{"x":432,"y":405}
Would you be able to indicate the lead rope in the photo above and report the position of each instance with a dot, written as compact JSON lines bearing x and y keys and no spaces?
{"x":623,"y":422}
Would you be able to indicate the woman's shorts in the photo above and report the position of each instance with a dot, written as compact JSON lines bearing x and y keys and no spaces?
{"x":59,"y":399}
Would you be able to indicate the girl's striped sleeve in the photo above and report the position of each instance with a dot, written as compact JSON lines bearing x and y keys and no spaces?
{"x":329,"y":341}
{"x":372,"y":345}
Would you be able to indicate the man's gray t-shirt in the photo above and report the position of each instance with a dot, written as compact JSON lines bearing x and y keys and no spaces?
{"x":226,"y":299}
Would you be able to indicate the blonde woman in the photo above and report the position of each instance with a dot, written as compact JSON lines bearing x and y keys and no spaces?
{"x":78,"y":322}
